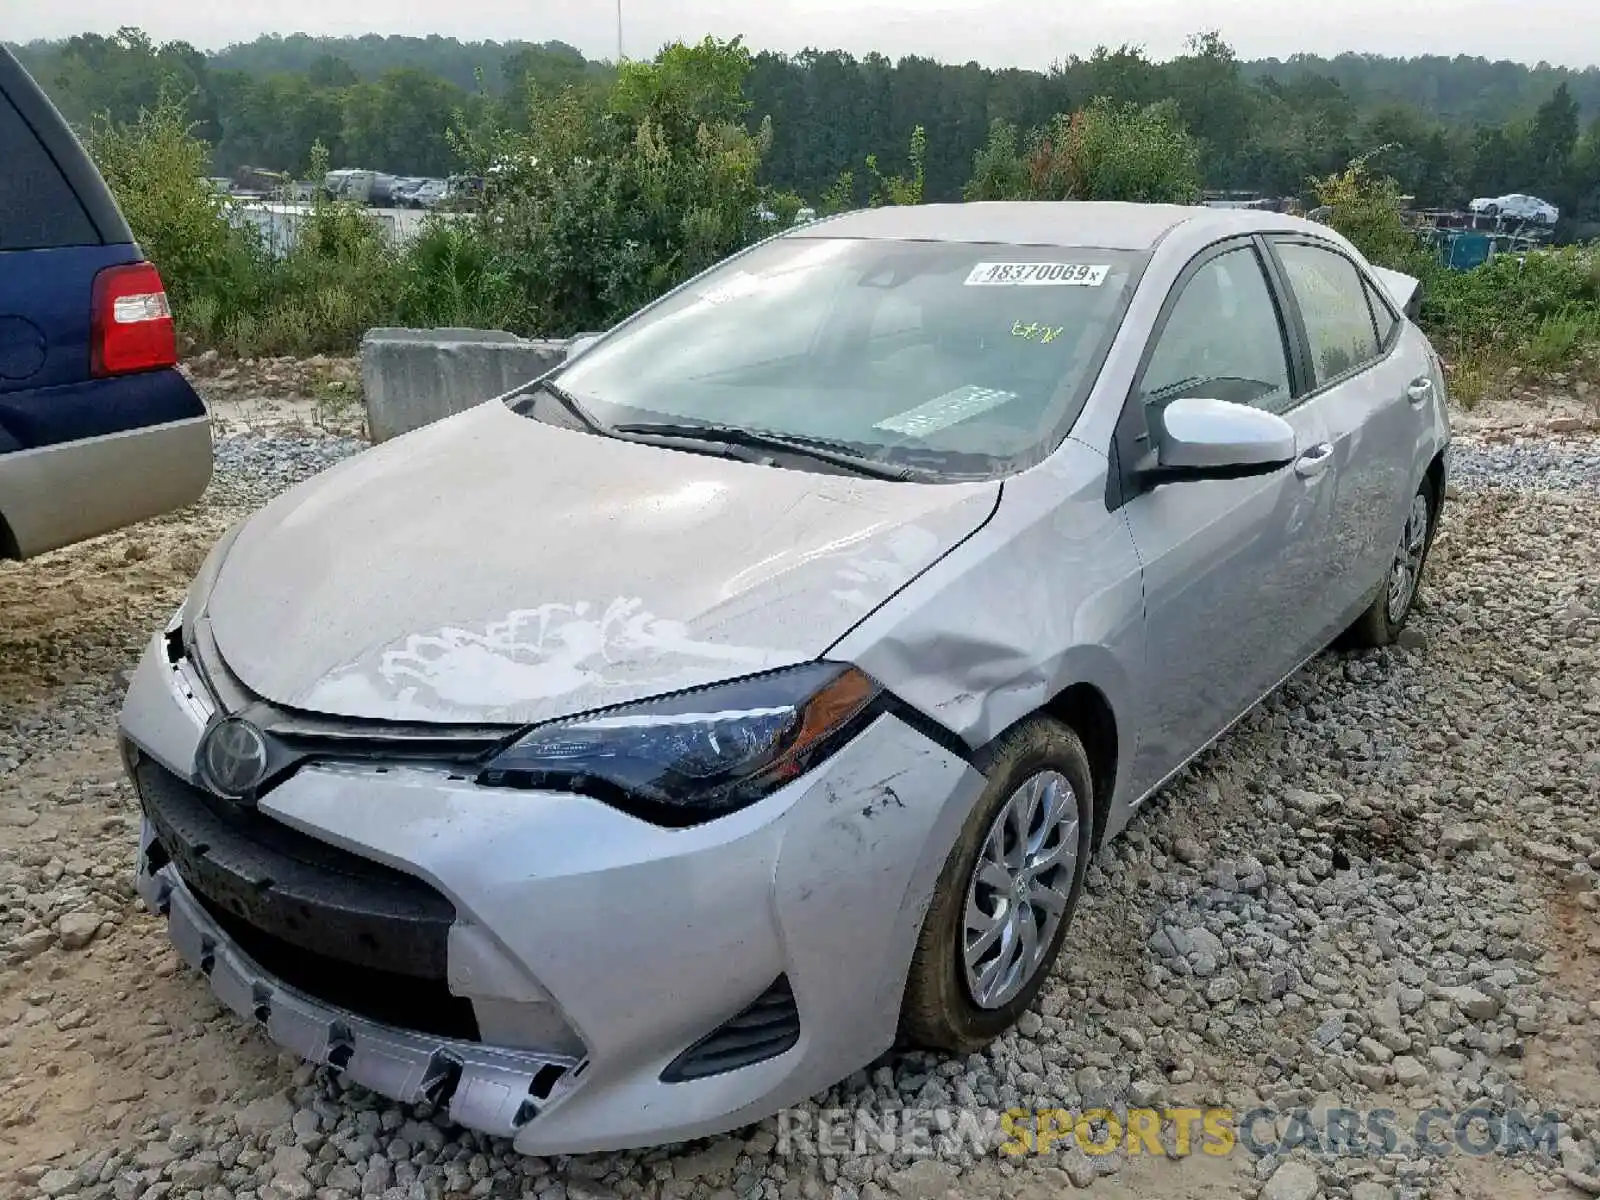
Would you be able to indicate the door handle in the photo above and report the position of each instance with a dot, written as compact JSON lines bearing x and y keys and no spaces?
{"x":1419,"y":390}
{"x":1314,"y":461}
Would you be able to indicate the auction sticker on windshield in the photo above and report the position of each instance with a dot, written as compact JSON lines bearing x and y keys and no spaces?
{"x":944,"y":411}
{"x":1037,"y":274}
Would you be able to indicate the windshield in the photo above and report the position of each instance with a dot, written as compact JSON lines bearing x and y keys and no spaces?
{"x":961,"y":359}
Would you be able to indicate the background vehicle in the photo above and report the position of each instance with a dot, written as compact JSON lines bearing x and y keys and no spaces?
{"x":429,"y":193}
{"x":97,"y":427}
{"x":1517,"y":206}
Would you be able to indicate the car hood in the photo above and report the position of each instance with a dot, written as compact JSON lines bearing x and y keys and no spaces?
{"x":492,"y":568}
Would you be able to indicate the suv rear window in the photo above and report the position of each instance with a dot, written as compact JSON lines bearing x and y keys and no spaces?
{"x":38,"y":208}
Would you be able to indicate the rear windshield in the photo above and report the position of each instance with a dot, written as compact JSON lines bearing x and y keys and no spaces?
{"x":962,"y":358}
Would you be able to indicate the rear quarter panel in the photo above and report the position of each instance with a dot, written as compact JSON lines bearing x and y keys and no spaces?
{"x":46,"y":299}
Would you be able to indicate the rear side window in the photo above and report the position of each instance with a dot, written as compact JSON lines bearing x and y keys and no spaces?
{"x":1333,"y":303}
{"x":38,"y":208}
{"x":1382,"y":315}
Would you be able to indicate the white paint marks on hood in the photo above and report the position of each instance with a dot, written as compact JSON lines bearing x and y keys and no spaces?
{"x":531,"y":655}
{"x":868,"y":577}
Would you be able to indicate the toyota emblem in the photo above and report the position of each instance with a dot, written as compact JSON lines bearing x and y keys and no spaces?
{"x":233,"y":758}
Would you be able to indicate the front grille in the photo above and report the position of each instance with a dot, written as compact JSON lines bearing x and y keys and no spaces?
{"x":422,"y":1005}
{"x":767,"y":1028}
{"x":341,"y":928}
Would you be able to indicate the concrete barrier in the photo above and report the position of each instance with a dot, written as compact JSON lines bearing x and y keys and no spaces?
{"x":411,"y":377}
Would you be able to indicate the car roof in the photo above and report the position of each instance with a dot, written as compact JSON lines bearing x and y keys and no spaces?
{"x":1109,"y":225}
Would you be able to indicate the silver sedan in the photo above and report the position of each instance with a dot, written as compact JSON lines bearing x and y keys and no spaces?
{"x":625,"y":758}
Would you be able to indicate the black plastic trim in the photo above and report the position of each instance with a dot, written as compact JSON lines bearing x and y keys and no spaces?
{"x":920,"y":721}
{"x":295,"y":888}
{"x":1302,"y":374}
{"x":1291,"y":305}
{"x":765,"y":1028}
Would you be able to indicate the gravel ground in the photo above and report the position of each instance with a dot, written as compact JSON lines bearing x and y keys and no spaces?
{"x":1377,"y":892}
{"x":1530,"y":462}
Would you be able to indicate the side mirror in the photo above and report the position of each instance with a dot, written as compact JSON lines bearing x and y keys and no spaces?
{"x":580,"y":343}
{"x":1217,"y":439}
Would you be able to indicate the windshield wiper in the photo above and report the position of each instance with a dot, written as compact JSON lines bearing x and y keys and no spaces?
{"x":820,"y":449}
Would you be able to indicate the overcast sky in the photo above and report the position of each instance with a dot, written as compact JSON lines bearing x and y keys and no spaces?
{"x":994,"y":32}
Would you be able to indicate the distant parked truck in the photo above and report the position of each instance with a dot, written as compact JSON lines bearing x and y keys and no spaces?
{"x":349,"y":183}
{"x":429,"y":193}
{"x":381,"y":191}
{"x":260,"y":179}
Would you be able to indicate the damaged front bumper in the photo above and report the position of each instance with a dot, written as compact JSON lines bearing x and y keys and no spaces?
{"x":600,"y":958}
{"x":494,"y":1090}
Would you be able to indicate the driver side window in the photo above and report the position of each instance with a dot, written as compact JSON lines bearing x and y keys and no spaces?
{"x":1222,"y":340}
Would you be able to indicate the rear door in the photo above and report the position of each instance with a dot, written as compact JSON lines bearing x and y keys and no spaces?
{"x":1374,"y":398}
{"x":58,"y":229}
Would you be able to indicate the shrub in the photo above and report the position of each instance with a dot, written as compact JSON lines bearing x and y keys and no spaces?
{"x":337,"y":280}
{"x":1115,"y":152}
{"x":452,"y":276}
{"x":1106,"y":151}
{"x":1538,"y":311}
{"x":340,"y":278}
{"x":997,"y":170}
{"x":156,"y":167}
{"x":595,"y":213}
{"x":901,"y":189}
{"x":1366,"y":208}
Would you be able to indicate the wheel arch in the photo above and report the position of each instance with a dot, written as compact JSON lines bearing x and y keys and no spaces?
{"x":1437,"y":479}
{"x":1435,"y":476}
{"x":8,"y":541}
{"x":1084,"y":709}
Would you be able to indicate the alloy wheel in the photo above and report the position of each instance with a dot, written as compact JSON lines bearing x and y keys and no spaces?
{"x":1407,"y":568}
{"x":1020,"y":888}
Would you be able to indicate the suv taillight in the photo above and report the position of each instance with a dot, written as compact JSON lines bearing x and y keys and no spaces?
{"x":133,"y":329}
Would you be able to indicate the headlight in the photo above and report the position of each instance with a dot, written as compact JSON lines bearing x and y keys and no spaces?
{"x":697,"y":755}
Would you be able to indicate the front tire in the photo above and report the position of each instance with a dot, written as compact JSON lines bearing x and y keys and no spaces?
{"x":1005,"y":899}
{"x":1381,"y":624}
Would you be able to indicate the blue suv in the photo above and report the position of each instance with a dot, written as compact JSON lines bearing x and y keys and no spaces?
{"x":98,"y":429}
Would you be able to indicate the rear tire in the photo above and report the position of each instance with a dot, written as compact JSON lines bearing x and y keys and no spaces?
{"x":1004,"y":901}
{"x":1383,"y":620}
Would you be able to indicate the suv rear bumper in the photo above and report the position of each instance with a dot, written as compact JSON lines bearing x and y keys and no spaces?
{"x":56,"y":495}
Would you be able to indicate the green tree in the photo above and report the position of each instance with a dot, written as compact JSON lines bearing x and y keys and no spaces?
{"x":401,"y":122}
{"x":684,"y":87}
{"x":1365,"y":207}
{"x":331,"y":71}
{"x":1553,"y":140}
{"x":997,"y":170}
{"x":155,"y":167}
{"x":1205,"y":86}
{"x":901,"y":189}
{"x":592,"y":214}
